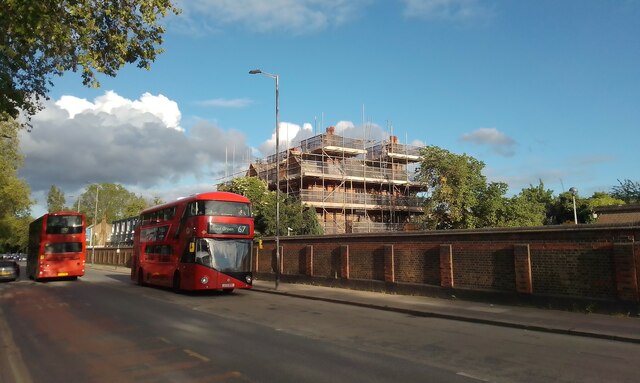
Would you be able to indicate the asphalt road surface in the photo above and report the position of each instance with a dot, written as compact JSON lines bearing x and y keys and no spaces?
{"x":103,"y":328}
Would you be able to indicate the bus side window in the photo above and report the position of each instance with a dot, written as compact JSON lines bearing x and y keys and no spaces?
{"x":195,"y":208}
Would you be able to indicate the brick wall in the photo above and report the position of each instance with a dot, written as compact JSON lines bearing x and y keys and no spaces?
{"x":110,"y":256}
{"x":585,"y":261}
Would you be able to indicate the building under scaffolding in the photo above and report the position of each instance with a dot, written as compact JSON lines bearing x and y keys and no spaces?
{"x":355,"y":185}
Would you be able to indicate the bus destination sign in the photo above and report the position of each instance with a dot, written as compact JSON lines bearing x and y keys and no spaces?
{"x":228,"y":228}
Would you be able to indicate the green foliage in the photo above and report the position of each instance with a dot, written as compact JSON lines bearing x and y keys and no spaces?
{"x":455,"y":183}
{"x":42,"y":39}
{"x":293,"y":214}
{"x":14,"y":234}
{"x":529,"y":207}
{"x":561,"y":210}
{"x":55,"y":199}
{"x":310,"y":223}
{"x":603,"y":199}
{"x":135,"y":205}
{"x":14,"y":193}
{"x":250,"y":187}
{"x":114,"y":202}
{"x":492,"y":209}
{"x":628,"y":191}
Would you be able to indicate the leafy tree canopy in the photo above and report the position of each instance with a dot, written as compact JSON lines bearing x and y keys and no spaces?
{"x":628,"y":191}
{"x":603,"y":199}
{"x":114,"y":202}
{"x":301,"y":219}
{"x":55,"y":199}
{"x":529,"y":207}
{"x":15,"y":202}
{"x":454,"y":183}
{"x":42,"y":39}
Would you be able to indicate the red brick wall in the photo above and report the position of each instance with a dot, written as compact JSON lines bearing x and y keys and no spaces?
{"x":484,"y":265}
{"x":366,"y":261}
{"x":417,"y":263}
{"x":569,"y":261}
{"x":574,"y":269}
{"x":294,"y":259}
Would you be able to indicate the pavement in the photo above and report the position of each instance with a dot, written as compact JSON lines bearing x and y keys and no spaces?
{"x":601,"y":326}
{"x":611,"y":327}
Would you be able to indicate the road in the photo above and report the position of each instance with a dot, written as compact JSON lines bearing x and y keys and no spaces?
{"x":102,"y":328}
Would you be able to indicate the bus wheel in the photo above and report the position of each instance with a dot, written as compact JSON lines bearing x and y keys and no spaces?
{"x":140,"y":277}
{"x":227,"y":291}
{"x":176,"y":283}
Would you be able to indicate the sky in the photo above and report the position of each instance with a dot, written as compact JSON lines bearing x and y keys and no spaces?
{"x":537,"y":90}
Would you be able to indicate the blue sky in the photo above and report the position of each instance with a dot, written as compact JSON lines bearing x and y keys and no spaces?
{"x":544,"y":90}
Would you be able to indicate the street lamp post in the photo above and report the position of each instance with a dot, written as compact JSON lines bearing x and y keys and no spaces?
{"x":277,"y":78}
{"x":574,"y":191}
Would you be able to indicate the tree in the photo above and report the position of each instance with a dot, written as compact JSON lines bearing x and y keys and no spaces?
{"x":628,"y":191}
{"x":603,"y":199}
{"x":250,"y":187}
{"x":310,"y":223}
{"x":561,"y":210}
{"x":134,"y":206}
{"x":491,"y":210}
{"x":42,"y":39}
{"x":14,"y":193}
{"x":293,"y":214}
{"x":530,"y":207}
{"x":55,"y":199}
{"x":114,"y":202}
{"x":454,"y":183}
{"x":15,"y":235}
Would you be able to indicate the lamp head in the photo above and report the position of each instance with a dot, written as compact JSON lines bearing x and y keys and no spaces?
{"x":255,"y":71}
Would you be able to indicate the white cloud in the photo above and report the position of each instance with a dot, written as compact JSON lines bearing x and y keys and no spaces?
{"x":114,"y":140}
{"x":290,"y":136}
{"x":226,"y":103}
{"x":369,"y":132}
{"x":499,"y":142}
{"x":113,"y":104}
{"x":448,"y":10}
{"x":298,"y":16}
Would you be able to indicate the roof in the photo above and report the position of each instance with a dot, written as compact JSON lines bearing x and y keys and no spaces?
{"x":618,"y":213}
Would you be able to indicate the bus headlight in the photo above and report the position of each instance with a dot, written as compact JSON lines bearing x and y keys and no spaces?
{"x":204,"y":280}
{"x":248,"y":279}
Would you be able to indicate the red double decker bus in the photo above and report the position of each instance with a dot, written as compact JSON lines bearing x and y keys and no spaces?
{"x":57,"y":246}
{"x":202,"y":242}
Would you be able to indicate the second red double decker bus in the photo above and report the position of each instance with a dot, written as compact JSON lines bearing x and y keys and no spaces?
{"x":57,"y":247}
{"x":202,"y":242}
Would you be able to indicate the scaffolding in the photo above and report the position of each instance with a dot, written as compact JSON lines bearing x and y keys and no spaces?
{"x":355,"y":185}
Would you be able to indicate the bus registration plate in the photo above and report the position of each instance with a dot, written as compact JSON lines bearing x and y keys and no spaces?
{"x":228,"y":285}
{"x":63,"y":274}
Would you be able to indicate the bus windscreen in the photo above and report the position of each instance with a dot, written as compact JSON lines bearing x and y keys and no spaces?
{"x":224,"y":255}
{"x":64,"y":224}
{"x":220,"y":208}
